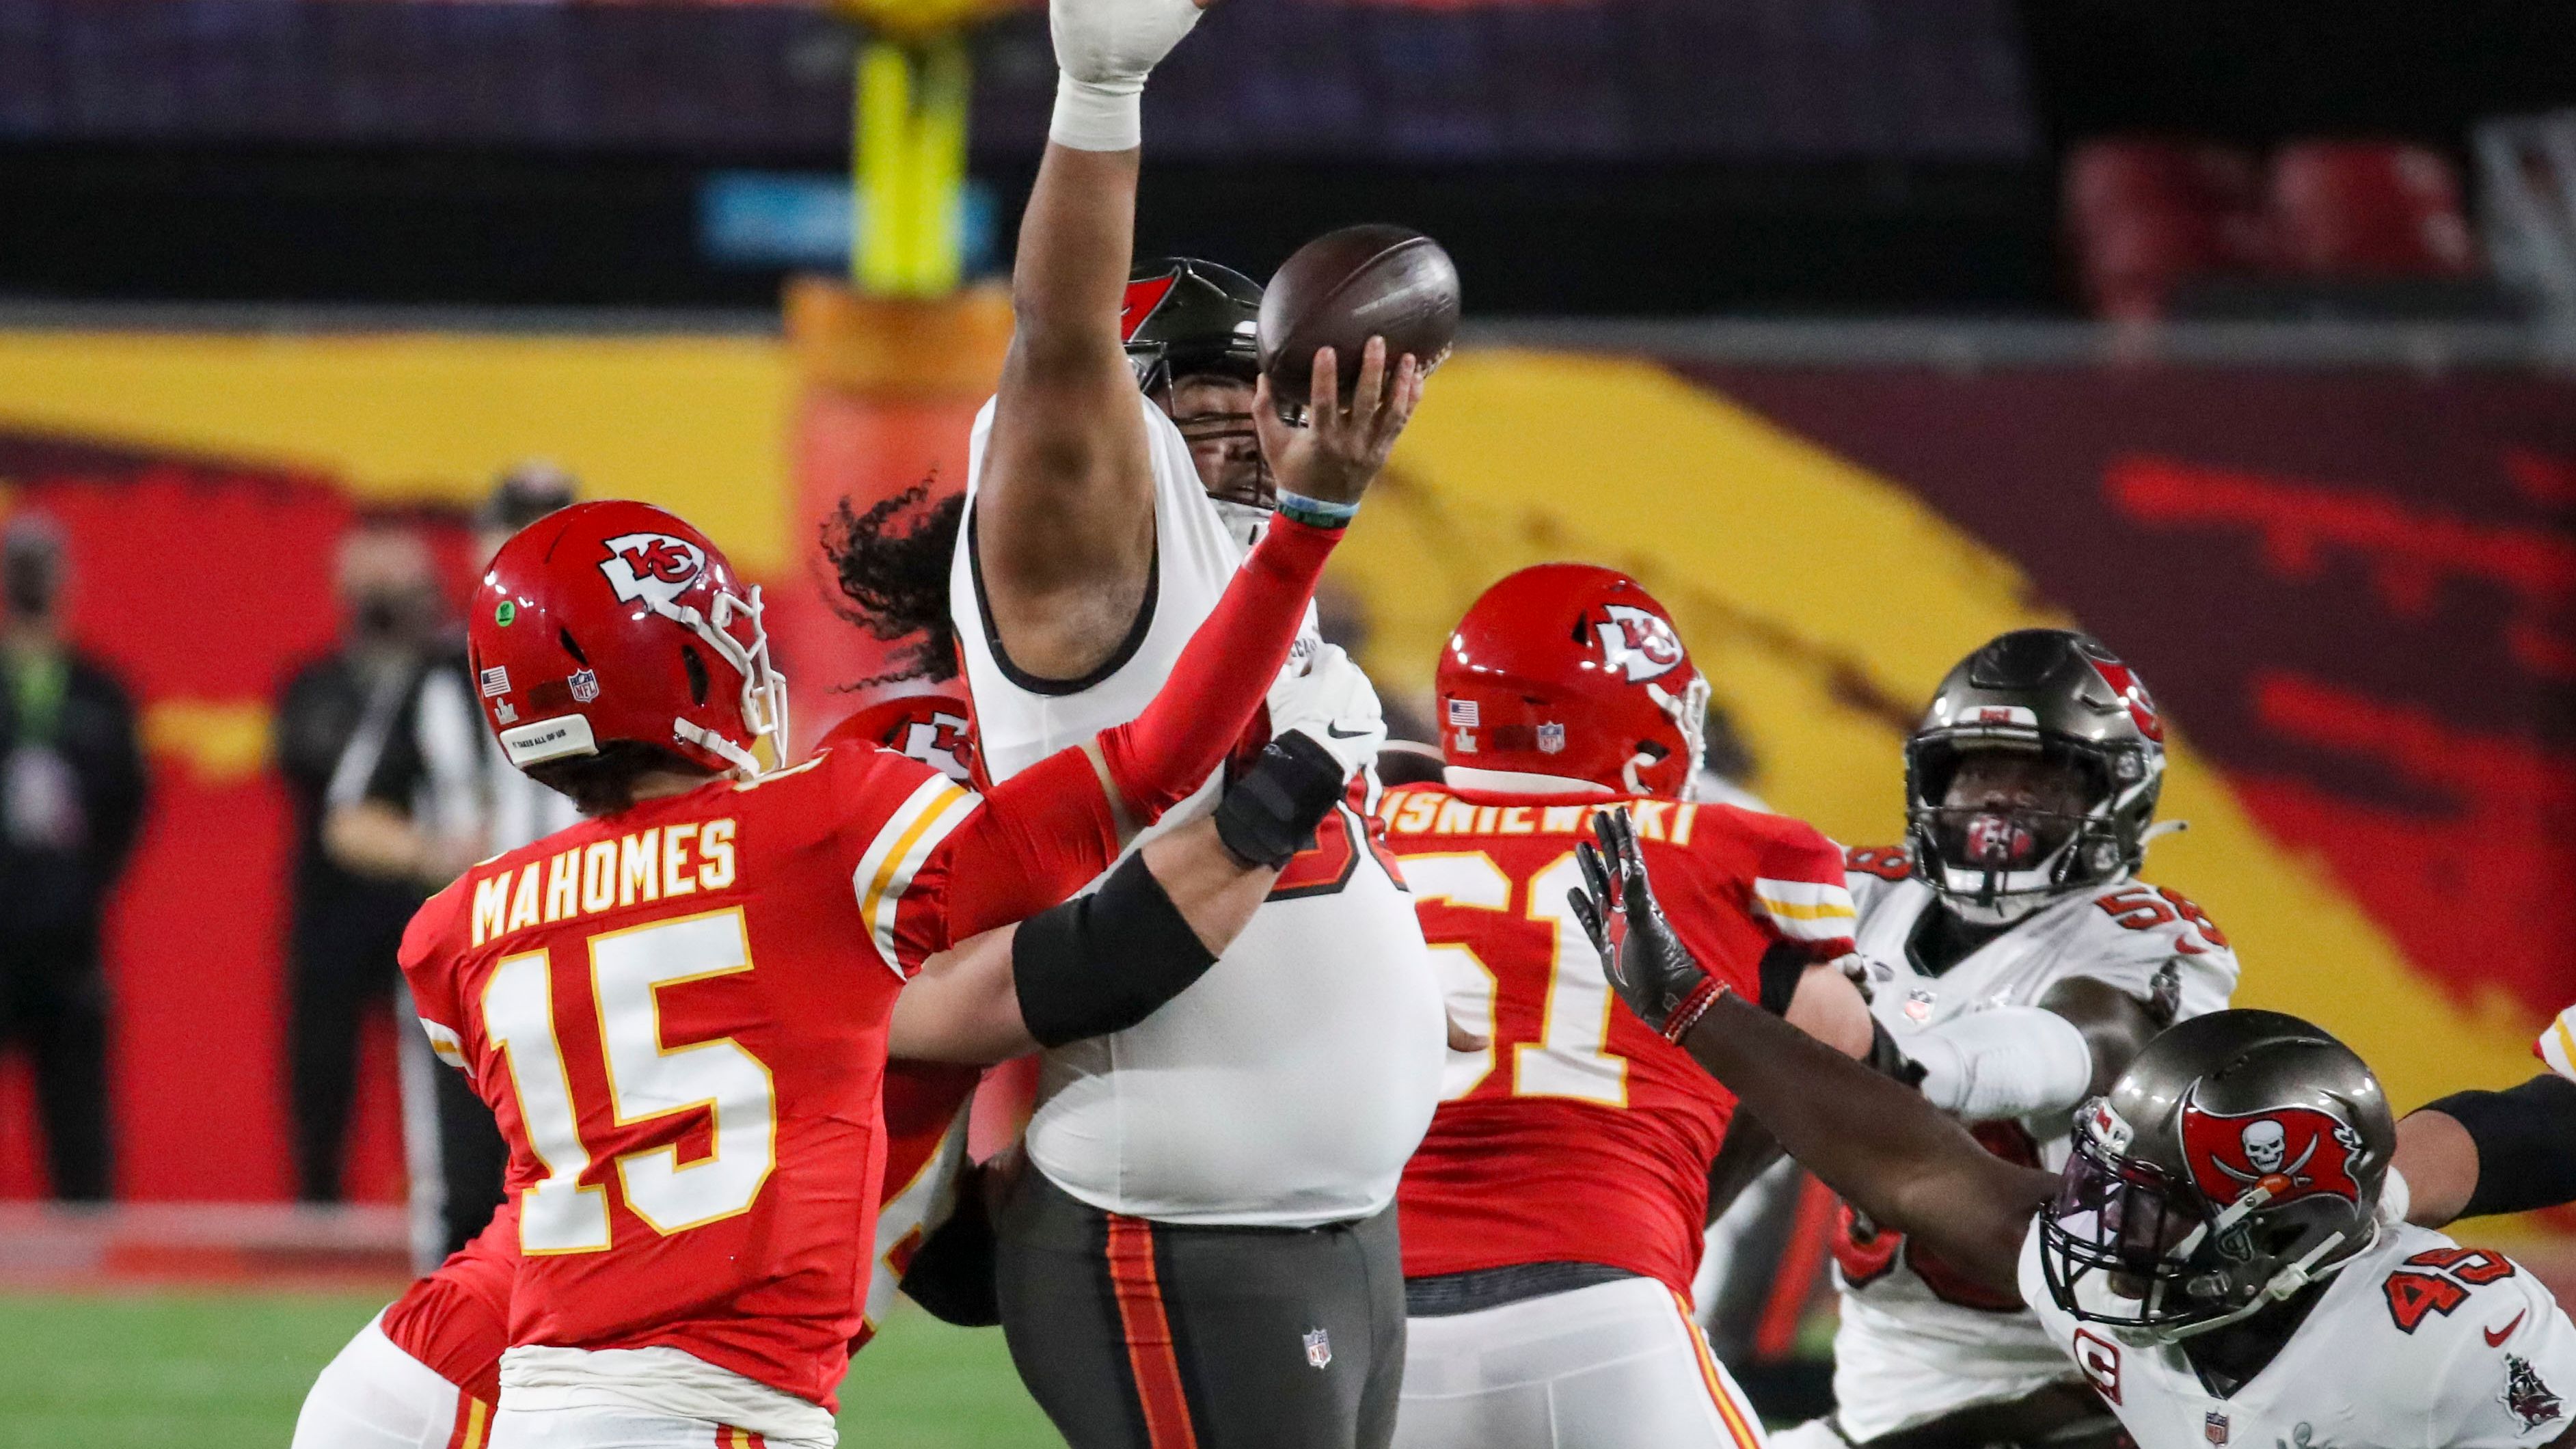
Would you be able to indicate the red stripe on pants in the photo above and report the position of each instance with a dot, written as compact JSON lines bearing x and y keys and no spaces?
{"x":1148,"y":1332}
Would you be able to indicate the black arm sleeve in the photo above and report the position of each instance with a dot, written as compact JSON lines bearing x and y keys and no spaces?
{"x":1106,"y":961}
{"x":1784,"y":965}
{"x":952,"y":1273}
{"x":2526,"y":1138}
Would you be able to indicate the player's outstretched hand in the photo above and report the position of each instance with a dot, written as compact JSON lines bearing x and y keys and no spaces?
{"x":1338,"y":451}
{"x":1112,"y":44}
{"x":1332,"y":703}
{"x":1650,"y":967}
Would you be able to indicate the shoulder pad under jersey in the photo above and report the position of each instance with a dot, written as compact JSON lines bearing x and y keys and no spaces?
{"x":2148,"y":940}
{"x":1871,"y":871}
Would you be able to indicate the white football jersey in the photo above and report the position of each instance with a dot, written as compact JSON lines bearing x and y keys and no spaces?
{"x":1288,"y":1085}
{"x":1915,"y":1343}
{"x":2417,"y":1343}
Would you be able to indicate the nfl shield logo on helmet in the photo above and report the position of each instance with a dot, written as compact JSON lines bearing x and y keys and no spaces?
{"x":1319,"y":1347}
{"x":585,"y":685}
{"x":1551,"y":738}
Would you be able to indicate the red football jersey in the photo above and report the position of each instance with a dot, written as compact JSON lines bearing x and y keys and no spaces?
{"x":457,"y":1318}
{"x":1580,"y":1135}
{"x":678,"y":1015}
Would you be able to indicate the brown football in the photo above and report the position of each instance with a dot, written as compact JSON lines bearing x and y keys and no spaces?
{"x":1347,"y":286}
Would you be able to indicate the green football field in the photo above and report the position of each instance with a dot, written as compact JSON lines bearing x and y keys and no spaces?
{"x":227,"y":1370}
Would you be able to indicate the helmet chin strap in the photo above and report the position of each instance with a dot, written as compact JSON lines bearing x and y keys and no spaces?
{"x":2282,"y":1285}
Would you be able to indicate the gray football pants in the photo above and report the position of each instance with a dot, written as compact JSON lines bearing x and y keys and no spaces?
{"x":1135,"y":1334}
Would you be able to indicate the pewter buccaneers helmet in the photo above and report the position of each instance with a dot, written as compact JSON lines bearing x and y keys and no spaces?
{"x":2236,"y":1161}
{"x":2061,"y":696}
{"x":1187,"y":318}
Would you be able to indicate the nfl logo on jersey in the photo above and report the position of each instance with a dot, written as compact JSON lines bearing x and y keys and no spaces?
{"x":1319,"y":1347}
{"x":2213,"y":1427}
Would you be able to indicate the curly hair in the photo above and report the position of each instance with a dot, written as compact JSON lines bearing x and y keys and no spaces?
{"x":893,"y":575}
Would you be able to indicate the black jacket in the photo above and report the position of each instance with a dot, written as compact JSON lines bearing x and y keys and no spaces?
{"x":50,"y":890}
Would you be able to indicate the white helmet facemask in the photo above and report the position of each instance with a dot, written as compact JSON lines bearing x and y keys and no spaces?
{"x":764,"y":688}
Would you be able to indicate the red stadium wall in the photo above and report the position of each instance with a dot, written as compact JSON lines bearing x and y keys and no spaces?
{"x":2358,"y":591}
{"x":2353,"y":590}
{"x":203,"y":584}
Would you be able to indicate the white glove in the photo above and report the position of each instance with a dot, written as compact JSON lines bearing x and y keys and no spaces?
{"x":1103,"y":49}
{"x":1332,"y":703}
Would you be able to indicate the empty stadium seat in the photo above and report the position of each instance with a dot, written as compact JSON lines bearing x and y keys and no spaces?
{"x":2147,"y":215}
{"x":2368,"y":210}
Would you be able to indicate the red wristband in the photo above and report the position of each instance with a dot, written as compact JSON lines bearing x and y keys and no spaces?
{"x":1693,"y":1007}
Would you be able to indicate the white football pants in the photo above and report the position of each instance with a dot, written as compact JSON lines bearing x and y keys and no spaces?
{"x":1613,"y":1366}
{"x":619,"y":1429}
{"x":373,"y":1395}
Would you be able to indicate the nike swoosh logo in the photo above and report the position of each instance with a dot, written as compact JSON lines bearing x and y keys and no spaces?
{"x":2497,"y":1336}
{"x":1342,"y":734}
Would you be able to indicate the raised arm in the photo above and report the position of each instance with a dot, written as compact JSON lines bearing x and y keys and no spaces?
{"x":1108,"y":960}
{"x":1879,"y":1144}
{"x":1040,"y":835}
{"x":1064,"y":511}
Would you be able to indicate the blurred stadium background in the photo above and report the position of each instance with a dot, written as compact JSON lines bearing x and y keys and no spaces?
{"x":1859,"y":329}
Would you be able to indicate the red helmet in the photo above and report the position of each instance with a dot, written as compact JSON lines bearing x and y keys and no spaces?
{"x":617,"y":621}
{"x":1574,"y":671}
{"x":934,"y":728}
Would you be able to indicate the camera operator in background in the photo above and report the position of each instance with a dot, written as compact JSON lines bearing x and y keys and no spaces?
{"x":71,"y":797}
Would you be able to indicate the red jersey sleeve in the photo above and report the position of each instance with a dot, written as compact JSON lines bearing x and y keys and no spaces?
{"x":901,"y":878}
{"x":1798,"y":891}
{"x":946,"y":863}
{"x":427,"y":957}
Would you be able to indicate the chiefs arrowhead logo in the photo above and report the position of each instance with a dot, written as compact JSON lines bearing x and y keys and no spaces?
{"x":937,"y":739}
{"x":1638,"y":644}
{"x":2292,"y":1152}
{"x":652,"y":568}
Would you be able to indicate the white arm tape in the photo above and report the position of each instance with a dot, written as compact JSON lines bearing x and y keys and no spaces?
{"x":2006,"y":1061}
{"x":1098,"y":116}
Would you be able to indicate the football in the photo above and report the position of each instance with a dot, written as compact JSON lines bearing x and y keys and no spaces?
{"x":1346,"y":286}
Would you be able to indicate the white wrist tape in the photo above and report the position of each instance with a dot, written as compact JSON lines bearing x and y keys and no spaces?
{"x":2007,"y":1061}
{"x":1098,"y":116}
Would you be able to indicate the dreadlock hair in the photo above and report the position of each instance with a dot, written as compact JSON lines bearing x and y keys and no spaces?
{"x":893,"y":577}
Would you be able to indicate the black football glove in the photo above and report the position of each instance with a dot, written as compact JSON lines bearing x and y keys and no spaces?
{"x":1649,"y":966}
